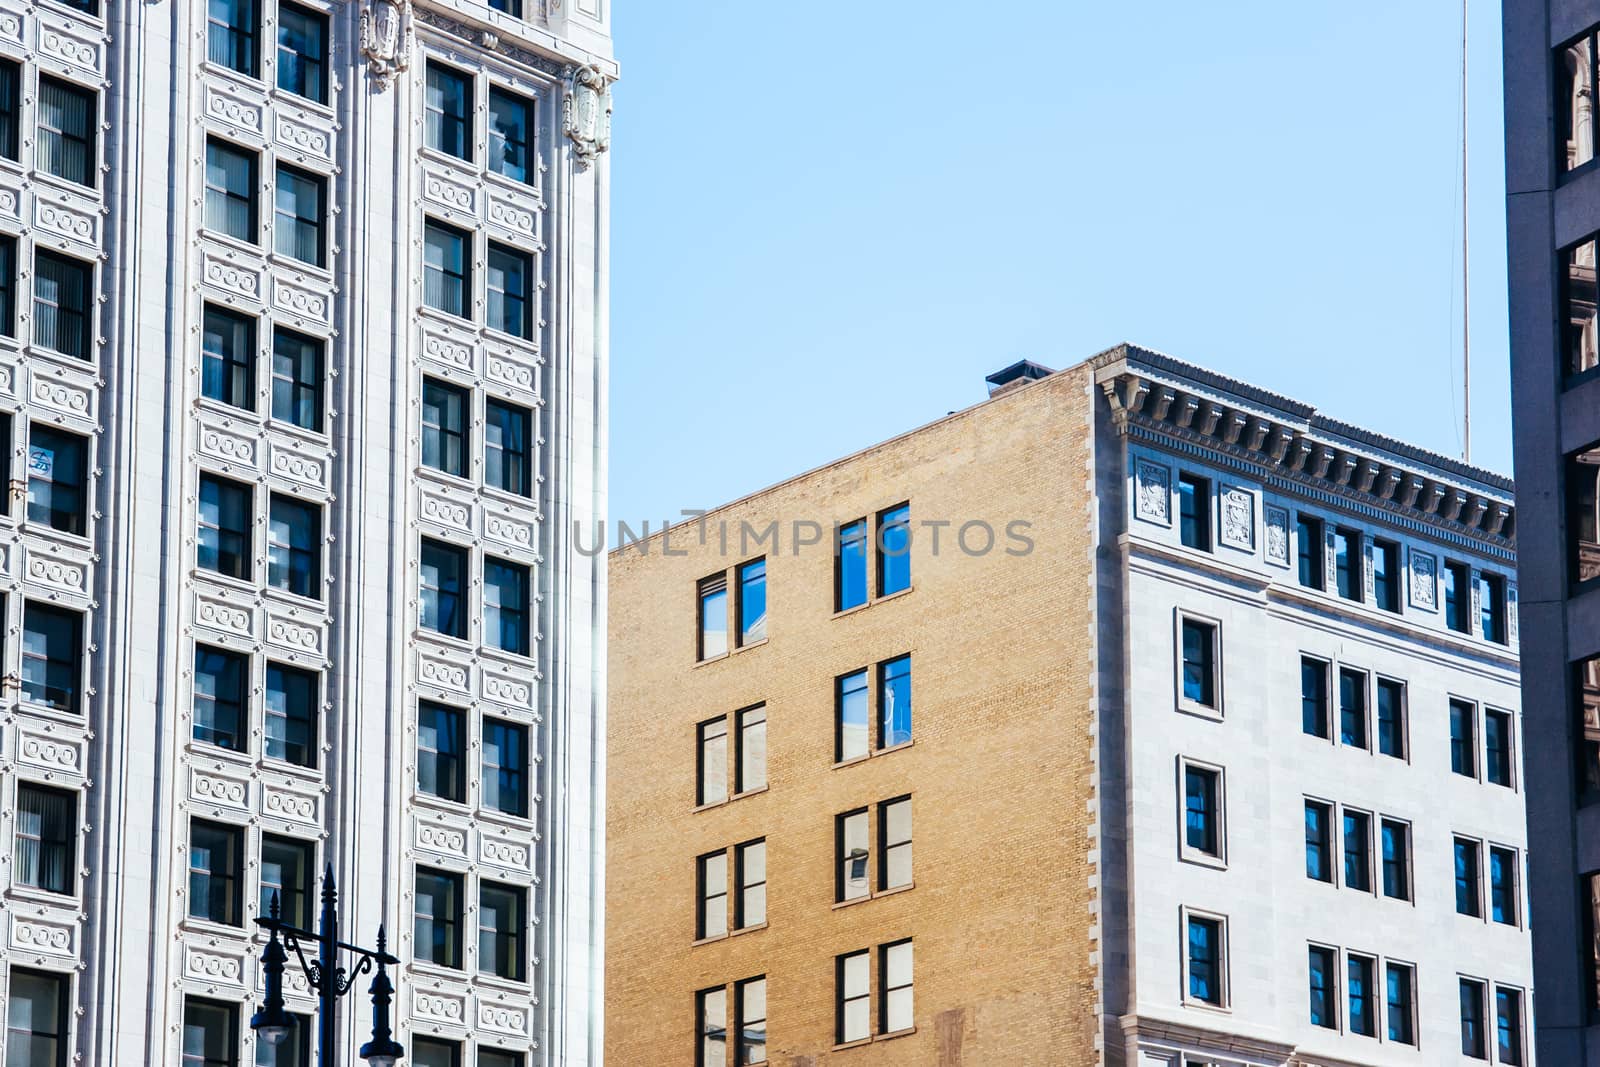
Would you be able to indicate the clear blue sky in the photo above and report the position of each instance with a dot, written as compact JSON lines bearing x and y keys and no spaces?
{"x":830,"y":221}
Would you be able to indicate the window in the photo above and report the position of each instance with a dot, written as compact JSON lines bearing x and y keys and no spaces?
{"x":1492,"y":607}
{"x":1401,"y":1020}
{"x":1583,"y":510}
{"x":36,"y":1019}
{"x":895,"y":988}
{"x":752,"y":602}
{"x":210,"y":1034}
{"x":508,"y":134}
{"x":505,"y":447}
{"x":224,"y":541}
{"x":1202,"y":810}
{"x":1347,"y":563}
{"x":750,"y":1021}
{"x":505,"y":605}
{"x":750,"y":874}
{"x":713,"y":621}
{"x":850,"y":703}
{"x":850,"y":836}
{"x":894,"y":550}
{"x":66,"y":131}
{"x":1314,"y":697}
{"x":1199,"y":668}
{"x":1503,"y":885}
{"x":1206,"y":963}
{"x":219,"y":697}
{"x":1353,"y":708}
{"x":1194,"y":511}
{"x":216,"y":867}
{"x":444,"y":571}
{"x":436,"y":926}
{"x":45,"y":854}
{"x":500,"y":924}
{"x":1463,"y":743}
{"x":514,"y":9}
{"x":52,"y":656}
{"x":850,"y":566}
{"x":446,"y":278}
{"x":1497,"y":746}
{"x":1358,"y":850}
{"x":1308,"y":544}
{"x":1586,"y":690}
{"x":711,"y":1027}
{"x":1322,"y":964}
{"x":426,"y":1052}
{"x":488,"y":1057}
{"x":1472,"y":1040}
{"x":894,"y":702}
{"x":1359,"y":972}
{"x":444,"y":427}
{"x":1396,"y":860}
{"x":1508,"y":1025}
{"x":10,"y":107}
{"x":712,"y":763}
{"x":1319,"y":841}
{"x":1468,"y":896}
{"x":286,"y":868}
{"x":1392,"y":718}
{"x":505,"y":759}
{"x":439,"y":746}
{"x":712,"y":879}
{"x":302,"y":53}
{"x":1580,"y":332}
{"x":62,"y":304}
{"x":231,"y":34}
{"x":298,"y":216}
{"x":294,"y":547}
{"x":291,"y":731}
{"x":1575,"y":87}
{"x":292,"y":1051}
{"x":230,"y":187}
{"x":297,"y":379}
{"x":509,"y":290}
{"x":57,"y":479}
{"x":853,"y":1003}
{"x":752,"y":767}
{"x":894,"y":843}
{"x":1457,"y":594}
{"x":447,"y":105}
{"x":227,"y":358}
{"x":8,"y":284}
{"x":1386,"y":574}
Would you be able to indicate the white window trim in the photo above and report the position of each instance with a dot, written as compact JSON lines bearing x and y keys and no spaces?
{"x":1486,"y":862}
{"x":1336,"y":987}
{"x":1492,"y":1016}
{"x":1186,"y":853}
{"x":1405,"y":716}
{"x":1224,"y":961}
{"x":1515,"y":785}
{"x":1486,"y":1018}
{"x":1477,"y":774}
{"x":1374,"y":856}
{"x":1483,"y":877}
{"x":1411,"y":873}
{"x":1185,"y":705}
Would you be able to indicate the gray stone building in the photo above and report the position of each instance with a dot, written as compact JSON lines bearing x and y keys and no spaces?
{"x":302,"y":386}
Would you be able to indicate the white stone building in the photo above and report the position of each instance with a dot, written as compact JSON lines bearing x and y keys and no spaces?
{"x":302,"y":390}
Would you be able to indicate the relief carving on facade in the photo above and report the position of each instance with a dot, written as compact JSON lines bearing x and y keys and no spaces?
{"x":1277,"y":523}
{"x":1424,"y":581}
{"x":386,"y":38}
{"x":1152,"y":494}
{"x":586,"y":113}
{"x":1239,"y":518}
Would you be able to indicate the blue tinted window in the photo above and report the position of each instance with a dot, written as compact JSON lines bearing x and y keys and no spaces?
{"x":850,"y":566}
{"x":1199,"y":663}
{"x":1467,"y":878}
{"x":1320,"y":962}
{"x":894,"y":550}
{"x":505,"y":605}
{"x":1358,"y":971}
{"x":1503,"y":885}
{"x":1357,"y":850}
{"x":894,"y":701}
{"x":1314,"y":697}
{"x":1399,"y":1004}
{"x":1318,"y":865}
{"x":851,"y":700}
{"x":1200,"y":809}
{"x":713,"y":608}
{"x":1353,"y":708}
{"x":1391,"y":718}
{"x":1205,"y":960}
{"x":753,"y":602}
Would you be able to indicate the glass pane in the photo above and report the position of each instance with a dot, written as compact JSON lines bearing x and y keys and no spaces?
{"x":852,"y":700}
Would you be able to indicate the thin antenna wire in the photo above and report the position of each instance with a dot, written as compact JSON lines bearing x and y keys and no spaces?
{"x":1466,"y":297}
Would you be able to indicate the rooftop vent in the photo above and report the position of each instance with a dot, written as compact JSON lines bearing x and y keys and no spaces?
{"x":1019,"y":373}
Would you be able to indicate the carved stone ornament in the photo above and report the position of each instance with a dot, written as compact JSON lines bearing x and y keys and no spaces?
{"x":1239,"y":519}
{"x":1277,"y":523}
{"x":1152,"y":494}
{"x":586,"y":113}
{"x":1424,"y":581}
{"x":386,"y":38}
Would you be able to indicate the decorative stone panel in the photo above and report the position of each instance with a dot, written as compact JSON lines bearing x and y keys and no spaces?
{"x":1423,"y":579}
{"x":52,"y":754}
{"x":506,"y":212}
{"x":1237,"y":526}
{"x":216,"y":790}
{"x":438,"y":1006}
{"x":441,"y":840}
{"x":289,"y":462}
{"x":10,"y":27}
{"x":510,"y":530}
{"x":61,"y":395}
{"x":235,"y":279}
{"x":515,"y":369}
{"x":64,"y":219}
{"x":55,"y":572}
{"x":510,"y":855}
{"x":434,"y":670}
{"x":227,"y":616}
{"x":1152,"y":493}
{"x":302,"y":302}
{"x":305,"y":637}
{"x":453,"y":195}
{"x":291,"y":806}
{"x":71,"y":47}
{"x":505,"y":689}
{"x":10,"y":196}
{"x":227,"y":445}
{"x":440,"y":346}
{"x":214,"y":965}
{"x":503,"y":1018}
{"x":44,"y":935}
{"x":8,"y":380}
{"x":302,"y":137}
{"x":234,"y":110}
{"x":1276,"y":522}
{"x":446,"y":511}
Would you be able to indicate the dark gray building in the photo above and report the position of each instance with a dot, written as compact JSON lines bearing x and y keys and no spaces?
{"x":1553,"y":217}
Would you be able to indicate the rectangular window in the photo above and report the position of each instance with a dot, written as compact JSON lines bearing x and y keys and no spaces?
{"x":505,"y":605}
{"x":1314,"y":697}
{"x":1396,"y":860}
{"x":1472,"y":1037}
{"x":1353,"y":708}
{"x":302,"y":52}
{"x":1575,"y":87}
{"x":894,"y":988}
{"x":894,"y":550}
{"x":1398,"y":998}
{"x":1206,"y":962}
{"x":850,"y":837}
{"x":851,"y":715}
{"x":37,"y":1010}
{"x":219,"y":697}
{"x":1469,"y":898}
{"x":436,"y":923}
{"x":505,"y":447}
{"x":45,"y":855}
{"x":1347,"y":563}
{"x":752,"y":602}
{"x":1199,"y":673}
{"x":1194,"y":511}
{"x":1358,"y":850}
{"x":1586,"y":690}
{"x":298,"y":216}
{"x":712,"y":764}
{"x":1580,"y":331}
{"x":750,"y":874}
{"x":10,"y":108}
{"x":711,"y":1027}
{"x":750,"y":1021}
{"x":1583,"y":508}
{"x":224,"y":537}
{"x":230,"y":188}
{"x":294,"y":547}
{"x":1392,"y":718}
{"x":1322,"y":965}
{"x":1386,"y":574}
{"x":853,"y":1002}
{"x":444,"y":427}
{"x":1309,"y":547}
{"x":1497,"y":746}
{"x":894,"y":702}
{"x":228,"y":358}
{"x":1508,"y":1025}
{"x":505,"y":761}
{"x":426,"y":1052}
{"x":510,"y":289}
{"x":1202,"y":798}
{"x":752,"y":768}
{"x":286,"y":867}
{"x":1457,"y":597}
{"x":447,"y":106}
{"x":443,"y":580}
{"x":1463,"y":740}
{"x":894,"y":843}
{"x":297,"y":379}
{"x":52,"y":657}
{"x":439,"y":749}
{"x":446,"y":276}
{"x":8,"y":286}
{"x":216,"y":867}
{"x":1503,"y":885}
{"x":500,"y":931}
{"x":67,"y":123}
{"x":712,"y":880}
{"x":488,"y":1057}
{"x":1319,"y":841}
{"x":1359,"y":972}
{"x":850,"y":566}
{"x":57,"y":479}
{"x":63,"y":302}
{"x":713,"y":616}
{"x":210,"y":1033}
{"x":231,"y":34}
{"x":292,"y":1051}
{"x":514,"y":9}
{"x":291,"y":715}
{"x":1492,"y":607}
{"x":508,"y":134}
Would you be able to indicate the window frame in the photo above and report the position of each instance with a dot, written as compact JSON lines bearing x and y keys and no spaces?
{"x":443,"y":397}
{"x":1508,"y":750}
{"x":1223,"y":1001}
{"x":70,"y":306}
{"x":1386,"y":576}
{"x":1354,"y":568}
{"x":887,"y":733}
{"x":848,"y":536}
{"x":883,"y":845}
{"x":1403,"y":863}
{"x":1317,"y":558}
{"x":751,"y":629}
{"x":1380,"y":684}
{"x":743,"y":724}
{"x":494,"y":164}
{"x":249,"y":35}
{"x":713,"y":897}
{"x":1324,"y":708}
{"x":444,"y":763}
{"x":703,"y":799}
{"x":1365,"y":820}
{"x":1328,"y":845}
{"x":1467,"y":746}
{"x":1328,"y":957}
{"x":461,"y":594}
{"x":239,"y":699}
{"x":1512,"y":866}
{"x":510,"y":940}
{"x":281,"y":576}
{"x":295,"y":222}
{"x":229,"y":1013}
{"x":844,"y":997}
{"x":514,"y":767}
{"x":232,"y":877}
{"x":845,"y":856}
{"x":1409,"y":973}
{"x":748,"y":888}
{"x":66,"y":843}
{"x":705,"y":1029}
{"x":1519,"y":1052}
{"x":1481,"y":987}
{"x":295,"y":383}
{"x":320,"y":63}
{"x":1196,"y":489}
{"x":297,"y":912}
{"x":1192,"y":706}
{"x":885,"y":525}
{"x":462,"y":123}
{"x":234,"y":364}
{"x":1364,"y":689}
{"x":886,"y":991}
{"x":227,"y":197}
{"x":89,"y":142}
{"x":1475,"y":872}
{"x":1457,"y":597}
{"x":1353,"y":960}
{"x":515,"y":474}
{"x":712,"y":588}
{"x":311,"y":720}
{"x":500,"y":617}
{"x":743,"y":1018}
{"x":73,"y":521}
{"x":455,"y":937}
{"x":520,"y":327}
{"x":62,"y":983}
{"x":462,"y":279}
{"x":231,"y":496}
{"x":1190,"y":853}
{"x":1494,"y":608}
{"x":73,"y":639}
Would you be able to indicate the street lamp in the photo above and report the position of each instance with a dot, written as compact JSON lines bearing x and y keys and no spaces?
{"x":328,"y":978}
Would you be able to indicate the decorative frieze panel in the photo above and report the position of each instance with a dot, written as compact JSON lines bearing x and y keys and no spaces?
{"x":43,"y":934}
{"x":1423,"y":580}
{"x":71,"y":47}
{"x":302,"y":137}
{"x":502,"y":688}
{"x":441,"y":840}
{"x":1512,"y":625}
{"x":438,"y":1006}
{"x":291,"y":806}
{"x":455,"y":195}
{"x":227,"y":616}
{"x":499,"y":1017}
{"x":10,"y":196}
{"x":1238,"y":520}
{"x":53,"y":755}
{"x":65,"y":219}
{"x":444,"y":510}
{"x":518,"y":370}
{"x":10,"y":27}
{"x":443,"y":346}
{"x":235,"y":111}
{"x":1276,"y":522}
{"x":231,"y":446}
{"x":57,"y":573}
{"x":300,"y":635}
{"x":214,"y":965}
{"x":509,"y":213}
{"x":233,"y":279}
{"x":435,"y":670}
{"x":510,"y":529}
{"x":301,"y":302}
{"x":216,"y":791}
{"x":1152,"y":493}
{"x":506,"y":854}
{"x":295,"y":465}
{"x":8,"y":379}
{"x":54,"y":391}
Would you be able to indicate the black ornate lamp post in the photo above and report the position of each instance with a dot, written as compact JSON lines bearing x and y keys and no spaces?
{"x":329,"y":979}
